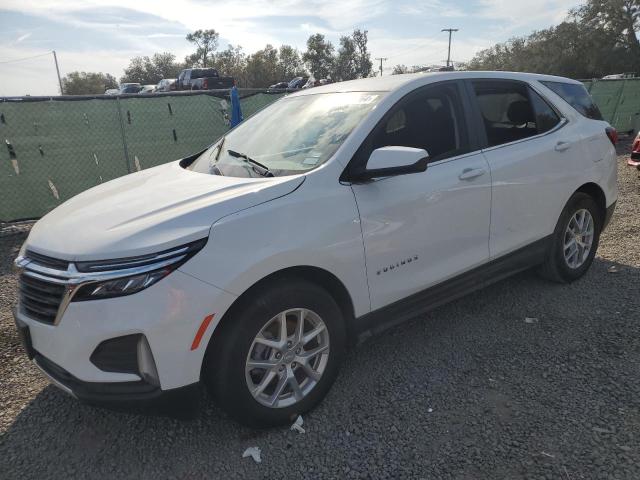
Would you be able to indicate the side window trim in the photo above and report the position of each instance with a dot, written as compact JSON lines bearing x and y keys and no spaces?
{"x":358,"y":160}
{"x":479,"y":123}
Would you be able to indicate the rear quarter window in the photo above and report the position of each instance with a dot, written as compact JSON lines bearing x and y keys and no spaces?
{"x":576,"y":96}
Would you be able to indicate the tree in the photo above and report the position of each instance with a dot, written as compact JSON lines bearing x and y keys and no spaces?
{"x":400,"y":69}
{"x":206,"y":42}
{"x":262,"y":67}
{"x":594,"y":41}
{"x":622,"y":17}
{"x":319,"y":56}
{"x":87,"y":83}
{"x":232,"y":62}
{"x":150,"y":70}
{"x":290,"y":64}
{"x":364,"y":65}
{"x":346,"y":62}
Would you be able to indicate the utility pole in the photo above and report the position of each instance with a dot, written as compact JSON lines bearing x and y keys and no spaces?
{"x":55,"y":59}
{"x":381,"y":60}
{"x":450,"y":30}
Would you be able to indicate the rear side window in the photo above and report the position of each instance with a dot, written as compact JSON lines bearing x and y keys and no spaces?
{"x":576,"y":96}
{"x":512,"y":111}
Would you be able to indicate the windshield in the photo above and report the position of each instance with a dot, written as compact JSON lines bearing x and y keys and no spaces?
{"x":294,"y":135}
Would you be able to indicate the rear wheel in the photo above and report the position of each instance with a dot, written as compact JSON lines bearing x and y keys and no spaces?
{"x":277,"y":355}
{"x":575,"y":240}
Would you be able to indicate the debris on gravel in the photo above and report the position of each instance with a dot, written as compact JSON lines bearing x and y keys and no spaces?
{"x":558,"y":398}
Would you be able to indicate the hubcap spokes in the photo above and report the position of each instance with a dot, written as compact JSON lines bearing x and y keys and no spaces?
{"x":287,"y":358}
{"x":578,"y":238}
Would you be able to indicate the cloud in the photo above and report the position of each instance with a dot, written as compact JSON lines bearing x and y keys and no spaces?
{"x":22,"y":38}
{"x":102,"y":35}
{"x":517,"y":14}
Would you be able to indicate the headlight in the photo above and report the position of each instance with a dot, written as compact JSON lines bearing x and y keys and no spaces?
{"x":119,"y":286}
{"x":125,"y":276}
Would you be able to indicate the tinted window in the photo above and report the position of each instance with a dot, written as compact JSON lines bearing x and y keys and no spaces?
{"x":511,"y":111}
{"x":546,"y":117}
{"x":432,"y":120}
{"x":576,"y":96}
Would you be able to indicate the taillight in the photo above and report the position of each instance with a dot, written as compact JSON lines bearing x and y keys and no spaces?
{"x":636,"y":145}
{"x":612,"y":133}
{"x":205,"y":84}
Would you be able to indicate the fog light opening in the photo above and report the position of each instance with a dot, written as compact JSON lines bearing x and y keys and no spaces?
{"x":146,"y":364}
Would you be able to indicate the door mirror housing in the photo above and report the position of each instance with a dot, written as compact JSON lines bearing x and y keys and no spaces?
{"x":391,"y":161}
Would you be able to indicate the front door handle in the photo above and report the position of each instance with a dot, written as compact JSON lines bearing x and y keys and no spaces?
{"x":471,"y":173}
{"x":562,"y":146}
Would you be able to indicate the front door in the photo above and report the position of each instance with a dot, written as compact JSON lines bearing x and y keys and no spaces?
{"x":420,"y":229}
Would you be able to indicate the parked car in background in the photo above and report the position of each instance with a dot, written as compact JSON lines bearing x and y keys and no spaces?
{"x":112,"y":91}
{"x":279,"y":85}
{"x":212,"y":83}
{"x":130,"y":88}
{"x":298,"y":82}
{"x":166,"y":85}
{"x":202,"y":79}
{"x":326,"y":217}
{"x":147,"y":89}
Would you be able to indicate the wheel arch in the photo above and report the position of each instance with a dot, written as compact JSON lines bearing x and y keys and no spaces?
{"x":597,"y":193}
{"x":316,"y":275}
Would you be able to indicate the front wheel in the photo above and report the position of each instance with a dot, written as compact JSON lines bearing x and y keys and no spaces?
{"x":277,"y":355}
{"x":575,"y":240}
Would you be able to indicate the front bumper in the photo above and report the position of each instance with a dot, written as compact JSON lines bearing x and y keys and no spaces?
{"x":182,"y":402}
{"x":168,"y":315}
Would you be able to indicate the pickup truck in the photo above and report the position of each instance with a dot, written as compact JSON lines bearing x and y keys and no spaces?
{"x":202,"y":79}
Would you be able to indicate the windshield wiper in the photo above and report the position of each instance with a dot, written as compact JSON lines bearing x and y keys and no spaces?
{"x":256,"y":164}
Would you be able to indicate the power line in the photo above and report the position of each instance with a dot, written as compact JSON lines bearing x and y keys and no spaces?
{"x":25,"y":58}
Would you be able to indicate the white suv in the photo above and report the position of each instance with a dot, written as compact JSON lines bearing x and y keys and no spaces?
{"x":328,"y":216}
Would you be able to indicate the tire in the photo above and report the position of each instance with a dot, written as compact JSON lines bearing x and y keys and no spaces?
{"x":556,"y":266}
{"x":225,"y":369}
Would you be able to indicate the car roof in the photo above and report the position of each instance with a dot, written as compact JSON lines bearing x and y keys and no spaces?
{"x":394,"y":82}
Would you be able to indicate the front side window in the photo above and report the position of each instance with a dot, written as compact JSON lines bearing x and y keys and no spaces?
{"x":576,"y":96}
{"x":291,"y":136}
{"x":512,"y":111}
{"x":432,"y":120}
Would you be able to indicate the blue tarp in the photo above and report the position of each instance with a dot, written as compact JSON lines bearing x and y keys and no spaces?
{"x":236,"y":111}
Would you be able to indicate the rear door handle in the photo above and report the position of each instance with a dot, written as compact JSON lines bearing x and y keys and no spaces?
{"x":562,"y":146}
{"x":471,"y":173}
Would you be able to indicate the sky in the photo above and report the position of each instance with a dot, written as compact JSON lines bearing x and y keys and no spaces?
{"x":103,"y":35}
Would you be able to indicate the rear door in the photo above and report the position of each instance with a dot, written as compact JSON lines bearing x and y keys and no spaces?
{"x":532,"y":152}
{"x":420,"y":229}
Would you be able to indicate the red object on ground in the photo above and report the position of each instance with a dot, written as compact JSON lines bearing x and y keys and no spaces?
{"x":634,"y":159}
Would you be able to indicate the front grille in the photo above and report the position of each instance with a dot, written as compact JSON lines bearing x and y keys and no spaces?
{"x":40,"y":299}
{"x":47,"y":261}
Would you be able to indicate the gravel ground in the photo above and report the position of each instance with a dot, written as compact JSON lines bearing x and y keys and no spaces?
{"x":470,"y":392}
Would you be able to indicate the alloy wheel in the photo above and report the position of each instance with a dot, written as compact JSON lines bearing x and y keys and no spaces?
{"x":578,"y":238}
{"x":287,"y":358}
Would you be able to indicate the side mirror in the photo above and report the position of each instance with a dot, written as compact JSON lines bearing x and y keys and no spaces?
{"x":391,"y":161}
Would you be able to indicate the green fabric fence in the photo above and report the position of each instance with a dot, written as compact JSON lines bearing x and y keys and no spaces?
{"x":56,"y":147}
{"x":618,"y":100}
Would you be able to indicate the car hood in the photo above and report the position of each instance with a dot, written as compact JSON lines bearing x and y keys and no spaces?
{"x":148,"y":211}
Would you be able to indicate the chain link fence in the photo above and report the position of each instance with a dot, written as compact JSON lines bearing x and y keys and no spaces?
{"x":57,"y":147}
{"x":618,"y":100}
